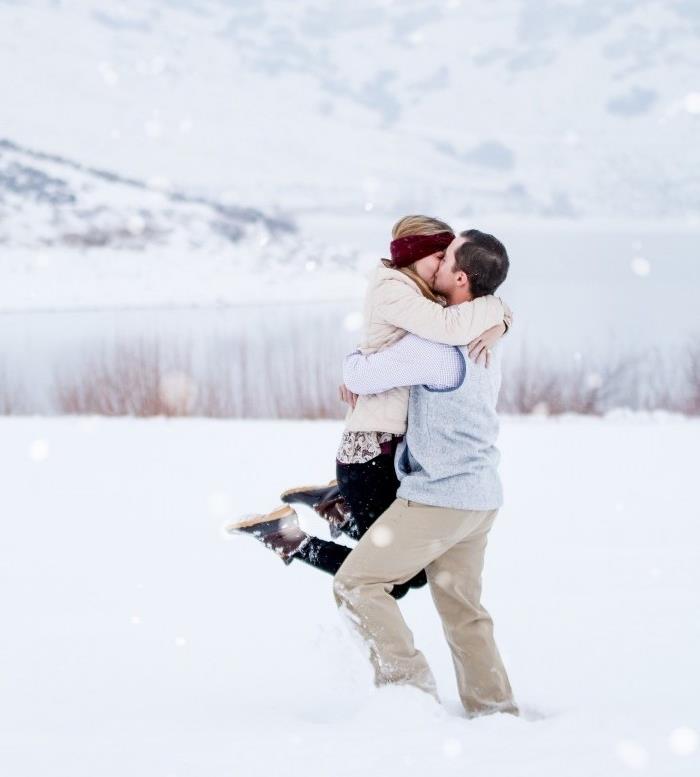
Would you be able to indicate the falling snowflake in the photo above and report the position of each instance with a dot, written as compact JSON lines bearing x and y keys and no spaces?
{"x":443,"y":578}
{"x":108,"y":73}
{"x":39,"y":450}
{"x":135,"y":225}
{"x":594,"y":380}
{"x":683,"y":741}
{"x":640,"y":266}
{"x":691,"y":103}
{"x":382,"y":536}
{"x":178,"y":392}
{"x":451,"y":748}
{"x":136,"y":620}
{"x":353,"y":321}
{"x":180,"y":641}
{"x":632,"y":754}
{"x":311,"y":265}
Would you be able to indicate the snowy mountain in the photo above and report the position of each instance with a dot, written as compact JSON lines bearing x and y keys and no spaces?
{"x":536,"y":108}
{"x":73,"y":236}
{"x":47,"y":200}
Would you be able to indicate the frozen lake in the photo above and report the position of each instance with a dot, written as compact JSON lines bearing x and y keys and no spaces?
{"x":576,"y":294}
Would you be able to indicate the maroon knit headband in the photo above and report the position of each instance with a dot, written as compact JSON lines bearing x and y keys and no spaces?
{"x":409,"y":249}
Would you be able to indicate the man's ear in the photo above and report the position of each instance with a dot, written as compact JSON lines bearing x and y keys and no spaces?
{"x":461,"y":278}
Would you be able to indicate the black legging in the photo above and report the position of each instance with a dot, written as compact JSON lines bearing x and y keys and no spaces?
{"x":368,"y":490}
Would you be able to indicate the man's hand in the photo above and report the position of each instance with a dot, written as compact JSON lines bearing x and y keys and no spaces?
{"x":480,"y":348}
{"x":347,"y":396}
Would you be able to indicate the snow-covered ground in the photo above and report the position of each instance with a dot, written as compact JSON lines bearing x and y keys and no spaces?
{"x":138,"y":640}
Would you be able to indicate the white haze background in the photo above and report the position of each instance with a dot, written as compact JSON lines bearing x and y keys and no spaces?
{"x":216,"y":179}
{"x":207,"y":154}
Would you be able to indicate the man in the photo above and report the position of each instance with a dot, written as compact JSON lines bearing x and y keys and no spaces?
{"x":447,"y":501}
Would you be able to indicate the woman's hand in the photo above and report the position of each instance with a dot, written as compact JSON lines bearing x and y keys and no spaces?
{"x":480,"y":348}
{"x":507,"y":314}
{"x":347,"y":396}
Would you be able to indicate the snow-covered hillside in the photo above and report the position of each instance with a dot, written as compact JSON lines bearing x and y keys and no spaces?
{"x":528,"y":107}
{"x":73,"y":236}
{"x":47,"y":200}
{"x":138,"y":641}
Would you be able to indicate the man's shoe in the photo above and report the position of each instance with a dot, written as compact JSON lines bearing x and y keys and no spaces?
{"x":418,"y":580}
{"x":279,"y":531}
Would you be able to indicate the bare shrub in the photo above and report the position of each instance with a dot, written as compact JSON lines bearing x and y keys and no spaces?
{"x":692,"y":374}
{"x":13,"y":399}
{"x":543,"y":385}
{"x":303,"y":381}
{"x":133,"y":379}
{"x":238,"y":379}
{"x":218,"y":397}
{"x":295,"y":375}
{"x":270,"y":379}
{"x":663,"y":380}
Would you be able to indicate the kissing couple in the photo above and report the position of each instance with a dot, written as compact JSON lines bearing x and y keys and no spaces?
{"x":417,"y":482}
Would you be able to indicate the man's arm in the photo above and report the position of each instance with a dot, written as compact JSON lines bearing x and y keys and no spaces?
{"x":409,"y":362}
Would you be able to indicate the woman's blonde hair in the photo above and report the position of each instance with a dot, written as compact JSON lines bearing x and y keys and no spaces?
{"x":418,"y":225}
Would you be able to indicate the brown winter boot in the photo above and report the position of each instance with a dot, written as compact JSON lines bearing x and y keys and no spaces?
{"x":324,"y":500}
{"x":279,"y":531}
{"x":310,"y":495}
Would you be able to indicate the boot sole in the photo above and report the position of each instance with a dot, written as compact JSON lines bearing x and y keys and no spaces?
{"x":308,"y":489}
{"x":258,"y":520}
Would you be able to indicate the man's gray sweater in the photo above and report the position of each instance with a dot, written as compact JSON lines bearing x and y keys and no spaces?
{"x":449,"y":457}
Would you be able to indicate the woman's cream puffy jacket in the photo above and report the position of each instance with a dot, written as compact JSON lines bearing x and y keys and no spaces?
{"x":394,"y":305}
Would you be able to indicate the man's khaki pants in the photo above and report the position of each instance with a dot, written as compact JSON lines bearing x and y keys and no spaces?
{"x":449,"y":545}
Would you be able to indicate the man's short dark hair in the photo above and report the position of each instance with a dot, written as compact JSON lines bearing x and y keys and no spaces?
{"x":484,"y":260}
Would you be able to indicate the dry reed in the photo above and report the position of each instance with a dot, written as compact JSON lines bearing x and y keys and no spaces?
{"x":240,"y":378}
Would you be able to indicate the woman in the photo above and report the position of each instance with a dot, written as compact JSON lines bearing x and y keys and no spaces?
{"x":399,"y":300}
